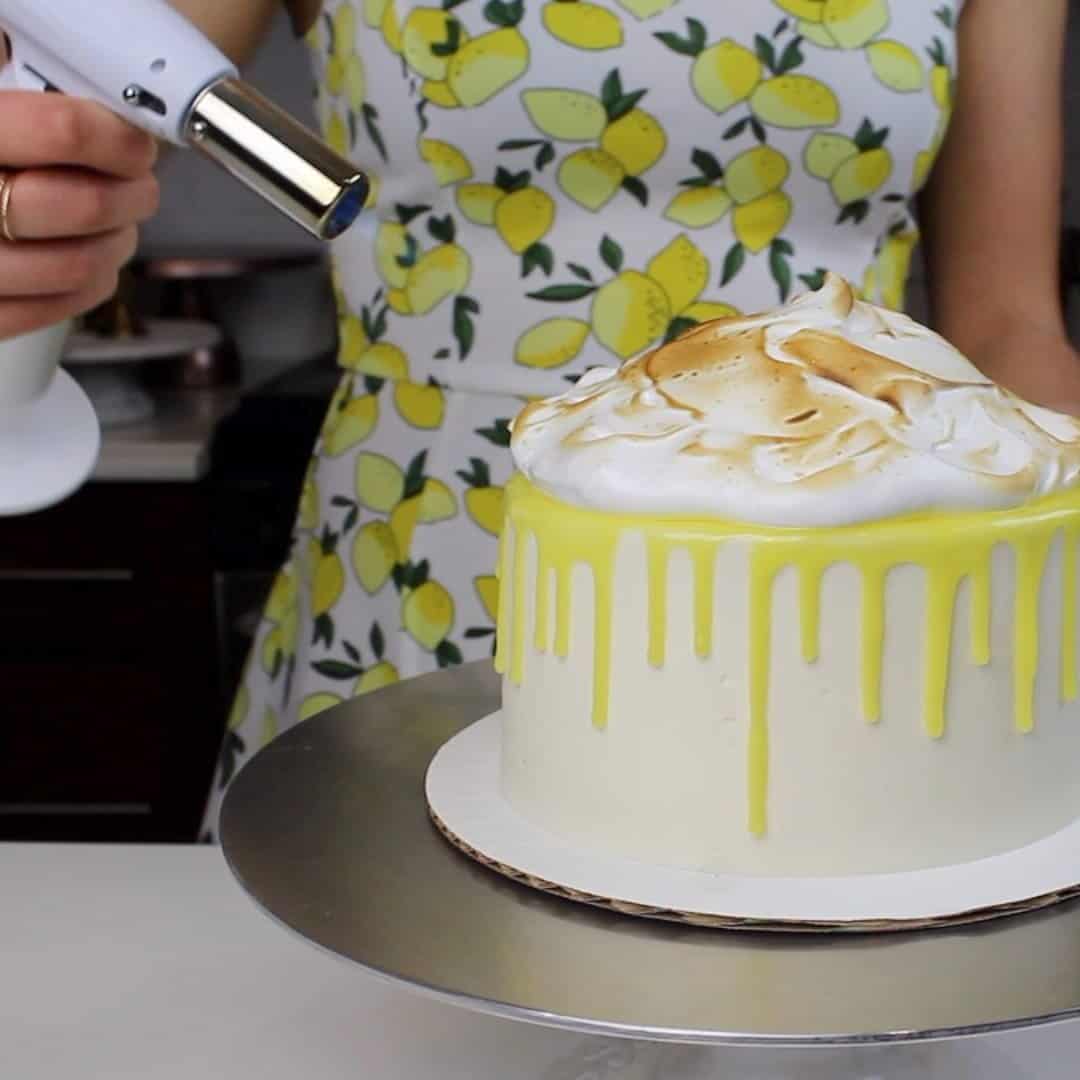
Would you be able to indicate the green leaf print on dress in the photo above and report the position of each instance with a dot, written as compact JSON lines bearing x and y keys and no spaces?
{"x":838,"y":24}
{"x":629,"y":312}
{"x":855,"y":168}
{"x":520,"y":212}
{"x":726,"y":74}
{"x":463,"y":69}
{"x":629,"y":140}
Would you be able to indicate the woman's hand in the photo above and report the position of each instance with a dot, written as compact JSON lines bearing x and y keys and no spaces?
{"x":81,"y":182}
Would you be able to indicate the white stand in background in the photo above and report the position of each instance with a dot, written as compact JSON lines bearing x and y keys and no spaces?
{"x":49,"y":434}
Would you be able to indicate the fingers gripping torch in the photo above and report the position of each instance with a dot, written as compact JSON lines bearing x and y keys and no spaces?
{"x":147,"y":63}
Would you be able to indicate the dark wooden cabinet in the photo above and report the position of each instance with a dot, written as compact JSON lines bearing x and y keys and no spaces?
{"x":111,"y":701}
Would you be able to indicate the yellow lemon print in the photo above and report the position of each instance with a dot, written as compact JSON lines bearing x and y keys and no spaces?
{"x":272,"y":654}
{"x":477,"y":202}
{"x":636,"y":141}
{"x":551,"y":343}
{"x":374,"y":11}
{"x":438,"y":273}
{"x":352,"y":425}
{"x":314,"y":704}
{"x":375,"y":678}
{"x":241,"y":704}
{"x":352,"y":341}
{"x":485,"y":507}
{"x":860,"y":176}
{"x":852,"y":23}
{"x":681,"y":270}
{"x":335,"y":75}
{"x":428,"y":614}
{"x":447,"y":162}
{"x":630,"y":312}
{"x":486,"y":65}
{"x":384,"y":361}
{"x":374,"y":554}
{"x":355,"y":82}
{"x":795,"y":101}
{"x":389,"y":27}
{"x":524,"y":217}
{"x":698,"y":207}
{"x":380,"y":482}
{"x":344,"y":23}
{"x":817,"y":34}
{"x":439,"y":93}
{"x":707,"y":310}
{"x":308,"y":515}
{"x":941,"y":86}
{"x":758,"y":223}
{"x":420,"y":404}
{"x":282,"y":596}
{"x":646,"y":9}
{"x":428,"y":38}
{"x":568,"y":115}
{"x":329,"y":583}
{"x":337,"y":134}
{"x":825,"y":152}
{"x":893,"y":265}
{"x":725,"y":74}
{"x":591,"y":177}
{"x":813,"y":10}
{"x":896,"y":66}
{"x":487,"y":588}
{"x":483,"y":500}
{"x":920,"y":172}
{"x":270,"y":726}
{"x":398,"y":300}
{"x":437,"y":502}
{"x":754,"y":173}
{"x":403,"y":519}
{"x":392,"y":245}
{"x":582,"y":25}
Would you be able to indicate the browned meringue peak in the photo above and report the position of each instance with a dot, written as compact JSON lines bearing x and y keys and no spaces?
{"x":826,"y":410}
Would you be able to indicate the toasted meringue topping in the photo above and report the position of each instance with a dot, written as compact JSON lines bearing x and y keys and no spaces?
{"x":825,"y":411}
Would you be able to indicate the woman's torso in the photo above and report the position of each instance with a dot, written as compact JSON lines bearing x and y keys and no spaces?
{"x":563,"y":183}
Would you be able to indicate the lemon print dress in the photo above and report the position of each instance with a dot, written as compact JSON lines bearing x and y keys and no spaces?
{"x":561,"y":184}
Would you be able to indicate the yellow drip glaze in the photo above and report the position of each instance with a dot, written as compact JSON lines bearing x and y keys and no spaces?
{"x":810,"y":611}
{"x":502,"y":615}
{"x":947,"y":548}
{"x":873,"y":639}
{"x":517,"y":613}
{"x":562,"y":611}
{"x":543,"y":604}
{"x":1031,"y":554}
{"x":1070,"y":536}
{"x":762,"y":572}
{"x":703,"y":554}
{"x":657,"y":554}
{"x":941,"y":583}
{"x":980,"y":609}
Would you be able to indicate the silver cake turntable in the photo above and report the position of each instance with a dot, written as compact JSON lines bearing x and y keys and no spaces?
{"x":327,"y":830}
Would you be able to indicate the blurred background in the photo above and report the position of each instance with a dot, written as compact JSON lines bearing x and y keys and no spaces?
{"x":129,"y":608}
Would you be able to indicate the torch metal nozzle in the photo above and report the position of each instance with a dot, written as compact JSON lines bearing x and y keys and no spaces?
{"x":280,"y":159}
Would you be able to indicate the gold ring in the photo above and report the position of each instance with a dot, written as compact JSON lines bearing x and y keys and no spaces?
{"x":7,"y":184}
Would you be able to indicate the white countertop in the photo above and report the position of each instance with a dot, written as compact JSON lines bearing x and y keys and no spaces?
{"x":150,"y":962}
{"x":173,"y":445}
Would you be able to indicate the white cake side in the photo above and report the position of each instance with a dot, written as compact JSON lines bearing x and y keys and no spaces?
{"x":666,"y":780}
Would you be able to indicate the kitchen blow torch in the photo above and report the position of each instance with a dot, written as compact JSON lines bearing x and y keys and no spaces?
{"x":150,"y":65}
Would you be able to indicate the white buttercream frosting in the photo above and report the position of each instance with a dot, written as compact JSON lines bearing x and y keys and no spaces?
{"x":825,"y":411}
